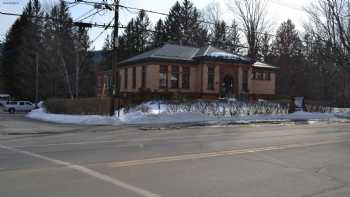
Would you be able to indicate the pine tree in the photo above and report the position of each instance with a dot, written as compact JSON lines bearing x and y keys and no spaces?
{"x":130,"y":39}
{"x":142,"y":33}
{"x":233,"y":38}
{"x":61,"y":44}
{"x":22,"y":45}
{"x":107,"y":45}
{"x":183,"y":25}
{"x":137,"y":37}
{"x":173,"y":24}
{"x":56,"y":46}
{"x":83,"y":59}
{"x":11,"y":53}
{"x":107,"y":48}
{"x":287,"y":42}
{"x":219,"y":35}
{"x":265,"y":47}
{"x":66,"y":53}
{"x":159,"y":35}
{"x":287,"y":48}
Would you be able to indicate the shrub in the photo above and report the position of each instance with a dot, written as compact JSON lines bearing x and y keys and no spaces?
{"x":228,"y":108}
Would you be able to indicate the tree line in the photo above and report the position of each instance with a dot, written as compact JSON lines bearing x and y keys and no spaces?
{"x":43,"y":50}
{"x":313,"y":64}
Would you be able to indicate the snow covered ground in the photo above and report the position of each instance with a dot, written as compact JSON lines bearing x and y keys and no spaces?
{"x":153,"y":113}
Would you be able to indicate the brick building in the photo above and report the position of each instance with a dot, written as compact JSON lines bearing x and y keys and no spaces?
{"x":206,"y":72}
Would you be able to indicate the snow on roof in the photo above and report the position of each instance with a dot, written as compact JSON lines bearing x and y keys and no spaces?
{"x":224,"y":55}
{"x":263,"y":65}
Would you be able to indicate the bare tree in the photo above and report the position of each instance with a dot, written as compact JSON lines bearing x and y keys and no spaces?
{"x":330,"y":23}
{"x":212,"y":12}
{"x":252,"y":14}
{"x":66,"y":76}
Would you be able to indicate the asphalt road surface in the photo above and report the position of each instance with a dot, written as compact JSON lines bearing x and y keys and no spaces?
{"x":42,"y":159}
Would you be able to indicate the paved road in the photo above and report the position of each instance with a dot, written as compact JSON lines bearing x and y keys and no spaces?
{"x":43,"y":159}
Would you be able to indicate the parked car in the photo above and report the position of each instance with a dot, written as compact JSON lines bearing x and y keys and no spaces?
{"x":18,"y":106}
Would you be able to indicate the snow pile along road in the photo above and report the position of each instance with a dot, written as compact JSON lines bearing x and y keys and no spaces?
{"x":155,"y":113}
{"x":41,"y":114}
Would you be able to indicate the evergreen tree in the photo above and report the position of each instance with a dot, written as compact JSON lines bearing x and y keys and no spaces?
{"x":21,"y":48}
{"x":159,"y":35}
{"x":233,"y":38}
{"x":142,"y":32}
{"x":265,"y":47}
{"x":183,"y":25}
{"x":61,"y":44}
{"x":129,"y":40}
{"x":83,"y":59}
{"x":137,"y":37}
{"x":57,"y":47}
{"x":287,"y":48}
{"x":107,"y":45}
{"x":11,"y":53}
{"x":219,"y":35}
{"x":173,"y":24}
{"x":66,"y":55}
{"x":287,"y":42}
{"x":107,"y":50}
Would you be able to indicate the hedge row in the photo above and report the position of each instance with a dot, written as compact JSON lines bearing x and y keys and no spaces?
{"x":85,"y":106}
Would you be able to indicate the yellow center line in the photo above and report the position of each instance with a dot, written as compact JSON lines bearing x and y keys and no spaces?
{"x":218,"y":154}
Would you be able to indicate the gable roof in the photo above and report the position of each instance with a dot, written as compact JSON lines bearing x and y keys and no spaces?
{"x":170,"y":52}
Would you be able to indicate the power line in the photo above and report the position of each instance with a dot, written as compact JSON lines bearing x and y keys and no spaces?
{"x":93,"y":14}
{"x":75,"y":23}
{"x":206,"y":22}
{"x":211,"y":23}
{"x":97,"y":5}
{"x":83,"y":15}
{"x":90,"y":2}
{"x":109,"y":24}
{"x":287,"y":6}
{"x":73,"y":5}
{"x":89,"y":25}
{"x":139,"y":9}
{"x":201,"y":21}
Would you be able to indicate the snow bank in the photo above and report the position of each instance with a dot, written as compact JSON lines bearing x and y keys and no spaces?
{"x":41,"y":114}
{"x":155,"y":113}
{"x":343,"y":115}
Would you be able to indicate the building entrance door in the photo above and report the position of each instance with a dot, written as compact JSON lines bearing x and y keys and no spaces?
{"x":228,"y":86}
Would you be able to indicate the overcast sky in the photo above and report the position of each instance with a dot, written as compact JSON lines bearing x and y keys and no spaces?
{"x":278,"y":11}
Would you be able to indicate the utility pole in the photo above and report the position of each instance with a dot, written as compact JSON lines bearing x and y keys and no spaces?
{"x":115,"y":72}
{"x":36,"y":77}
